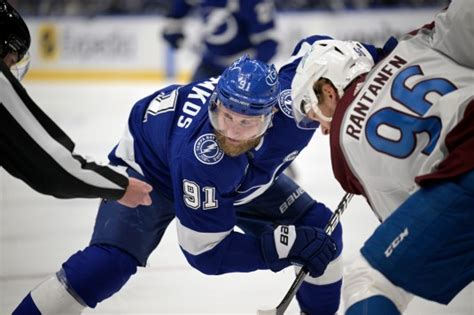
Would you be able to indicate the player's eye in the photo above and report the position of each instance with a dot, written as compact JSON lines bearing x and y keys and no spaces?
{"x":228,"y":117}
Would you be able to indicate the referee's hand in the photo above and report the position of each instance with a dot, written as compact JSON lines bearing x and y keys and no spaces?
{"x":137,"y":193}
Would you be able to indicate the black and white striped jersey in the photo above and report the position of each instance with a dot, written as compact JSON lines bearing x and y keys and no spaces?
{"x":34,"y":149}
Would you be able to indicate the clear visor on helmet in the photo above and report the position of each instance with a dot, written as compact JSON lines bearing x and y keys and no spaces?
{"x":301,"y":106}
{"x":237,"y":126}
{"x":20,"y":68}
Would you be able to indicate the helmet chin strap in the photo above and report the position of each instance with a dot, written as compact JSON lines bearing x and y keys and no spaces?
{"x":317,"y":110}
{"x":314,"y":105}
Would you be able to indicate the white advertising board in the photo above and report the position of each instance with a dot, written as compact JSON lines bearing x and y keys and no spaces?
{"x":131,"y":48}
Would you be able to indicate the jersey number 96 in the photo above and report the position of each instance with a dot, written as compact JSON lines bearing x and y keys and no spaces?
{"x":406,"y":126}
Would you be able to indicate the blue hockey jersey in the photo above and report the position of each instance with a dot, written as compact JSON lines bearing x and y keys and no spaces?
{"x":232,"y":28}
{"x":170,"y":141}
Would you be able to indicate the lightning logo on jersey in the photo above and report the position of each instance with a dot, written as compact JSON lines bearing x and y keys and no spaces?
{"x":206,"y":149}
{"x":284,"y":102}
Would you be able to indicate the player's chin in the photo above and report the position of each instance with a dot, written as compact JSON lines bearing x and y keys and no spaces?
{"x":233,"y":147}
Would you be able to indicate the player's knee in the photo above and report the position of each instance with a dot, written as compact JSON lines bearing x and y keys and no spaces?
{"x":332,"y":274}
{"x":319,"y":299}
{"x":98,"y":272}
{"x":362,"y":282}
{"x":373,"y":305}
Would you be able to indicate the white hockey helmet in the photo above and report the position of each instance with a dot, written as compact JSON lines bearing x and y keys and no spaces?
{"x":339,"y":61}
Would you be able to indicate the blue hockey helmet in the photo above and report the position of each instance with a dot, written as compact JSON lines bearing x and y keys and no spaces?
{"x":249,"y":88}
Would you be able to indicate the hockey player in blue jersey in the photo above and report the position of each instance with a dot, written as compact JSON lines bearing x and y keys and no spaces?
{"x":214,"y":152}
{"x":230,"y":29}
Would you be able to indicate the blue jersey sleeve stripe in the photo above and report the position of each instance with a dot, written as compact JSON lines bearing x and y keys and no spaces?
{"x":263,"y":36}
{"x":256,"y":190}
{"x":196,"y":243}
{"x":332,"y":274}
{"x":125,"y":151}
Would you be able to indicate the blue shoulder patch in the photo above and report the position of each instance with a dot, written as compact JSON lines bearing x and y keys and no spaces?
{"x":284,"y":102}
{"x":207,"y":150}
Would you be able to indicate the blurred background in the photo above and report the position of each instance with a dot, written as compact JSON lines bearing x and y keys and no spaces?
{"x":122,"y":39}
{"x":147,"y":7}
{"x":91,"y":60}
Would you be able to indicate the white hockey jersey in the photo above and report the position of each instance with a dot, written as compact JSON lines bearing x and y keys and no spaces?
{"x":409,"y":123}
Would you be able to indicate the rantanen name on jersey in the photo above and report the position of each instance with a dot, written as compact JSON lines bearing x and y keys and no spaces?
{"x":358,"y":112}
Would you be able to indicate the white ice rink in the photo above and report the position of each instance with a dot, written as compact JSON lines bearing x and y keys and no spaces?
{"x":37,"y":233}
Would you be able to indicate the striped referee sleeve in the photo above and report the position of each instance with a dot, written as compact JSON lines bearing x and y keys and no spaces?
{"x":34,"y":149}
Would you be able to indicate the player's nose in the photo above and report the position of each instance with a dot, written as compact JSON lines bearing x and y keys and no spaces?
{"x":234,"y":132}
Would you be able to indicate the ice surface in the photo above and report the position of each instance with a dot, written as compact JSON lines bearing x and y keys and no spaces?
{"x":37,"y":233}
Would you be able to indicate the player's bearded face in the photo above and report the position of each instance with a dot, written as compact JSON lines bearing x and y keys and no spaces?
{"x":233,"y":147}
{"x":237,"y":133}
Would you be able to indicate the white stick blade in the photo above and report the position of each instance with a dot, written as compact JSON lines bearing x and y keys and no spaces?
{"x":267,"y":312}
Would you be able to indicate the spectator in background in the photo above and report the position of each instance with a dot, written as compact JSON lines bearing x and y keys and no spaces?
{"x":230,"y":29}
{"x":33,"y":148}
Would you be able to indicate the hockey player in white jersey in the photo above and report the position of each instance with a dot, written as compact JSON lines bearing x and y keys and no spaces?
{"x":403,"y":136}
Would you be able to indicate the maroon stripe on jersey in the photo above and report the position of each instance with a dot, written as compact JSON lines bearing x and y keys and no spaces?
{"x":341,"y":170}
{"x":428,"y":26}
{"x":460,"y":145}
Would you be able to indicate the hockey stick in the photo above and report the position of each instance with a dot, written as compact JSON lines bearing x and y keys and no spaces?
{"x":285,"y":302}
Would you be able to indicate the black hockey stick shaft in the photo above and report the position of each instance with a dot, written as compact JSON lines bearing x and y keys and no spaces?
{"x":333,"y":221}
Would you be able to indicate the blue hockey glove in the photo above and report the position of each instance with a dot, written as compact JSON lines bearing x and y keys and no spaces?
{"x":304,"y":246}
{"x":172,"y":32}
{"x":175,"y":40}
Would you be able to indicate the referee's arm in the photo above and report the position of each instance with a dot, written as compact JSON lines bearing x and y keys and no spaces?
{"x":34,"y":149}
